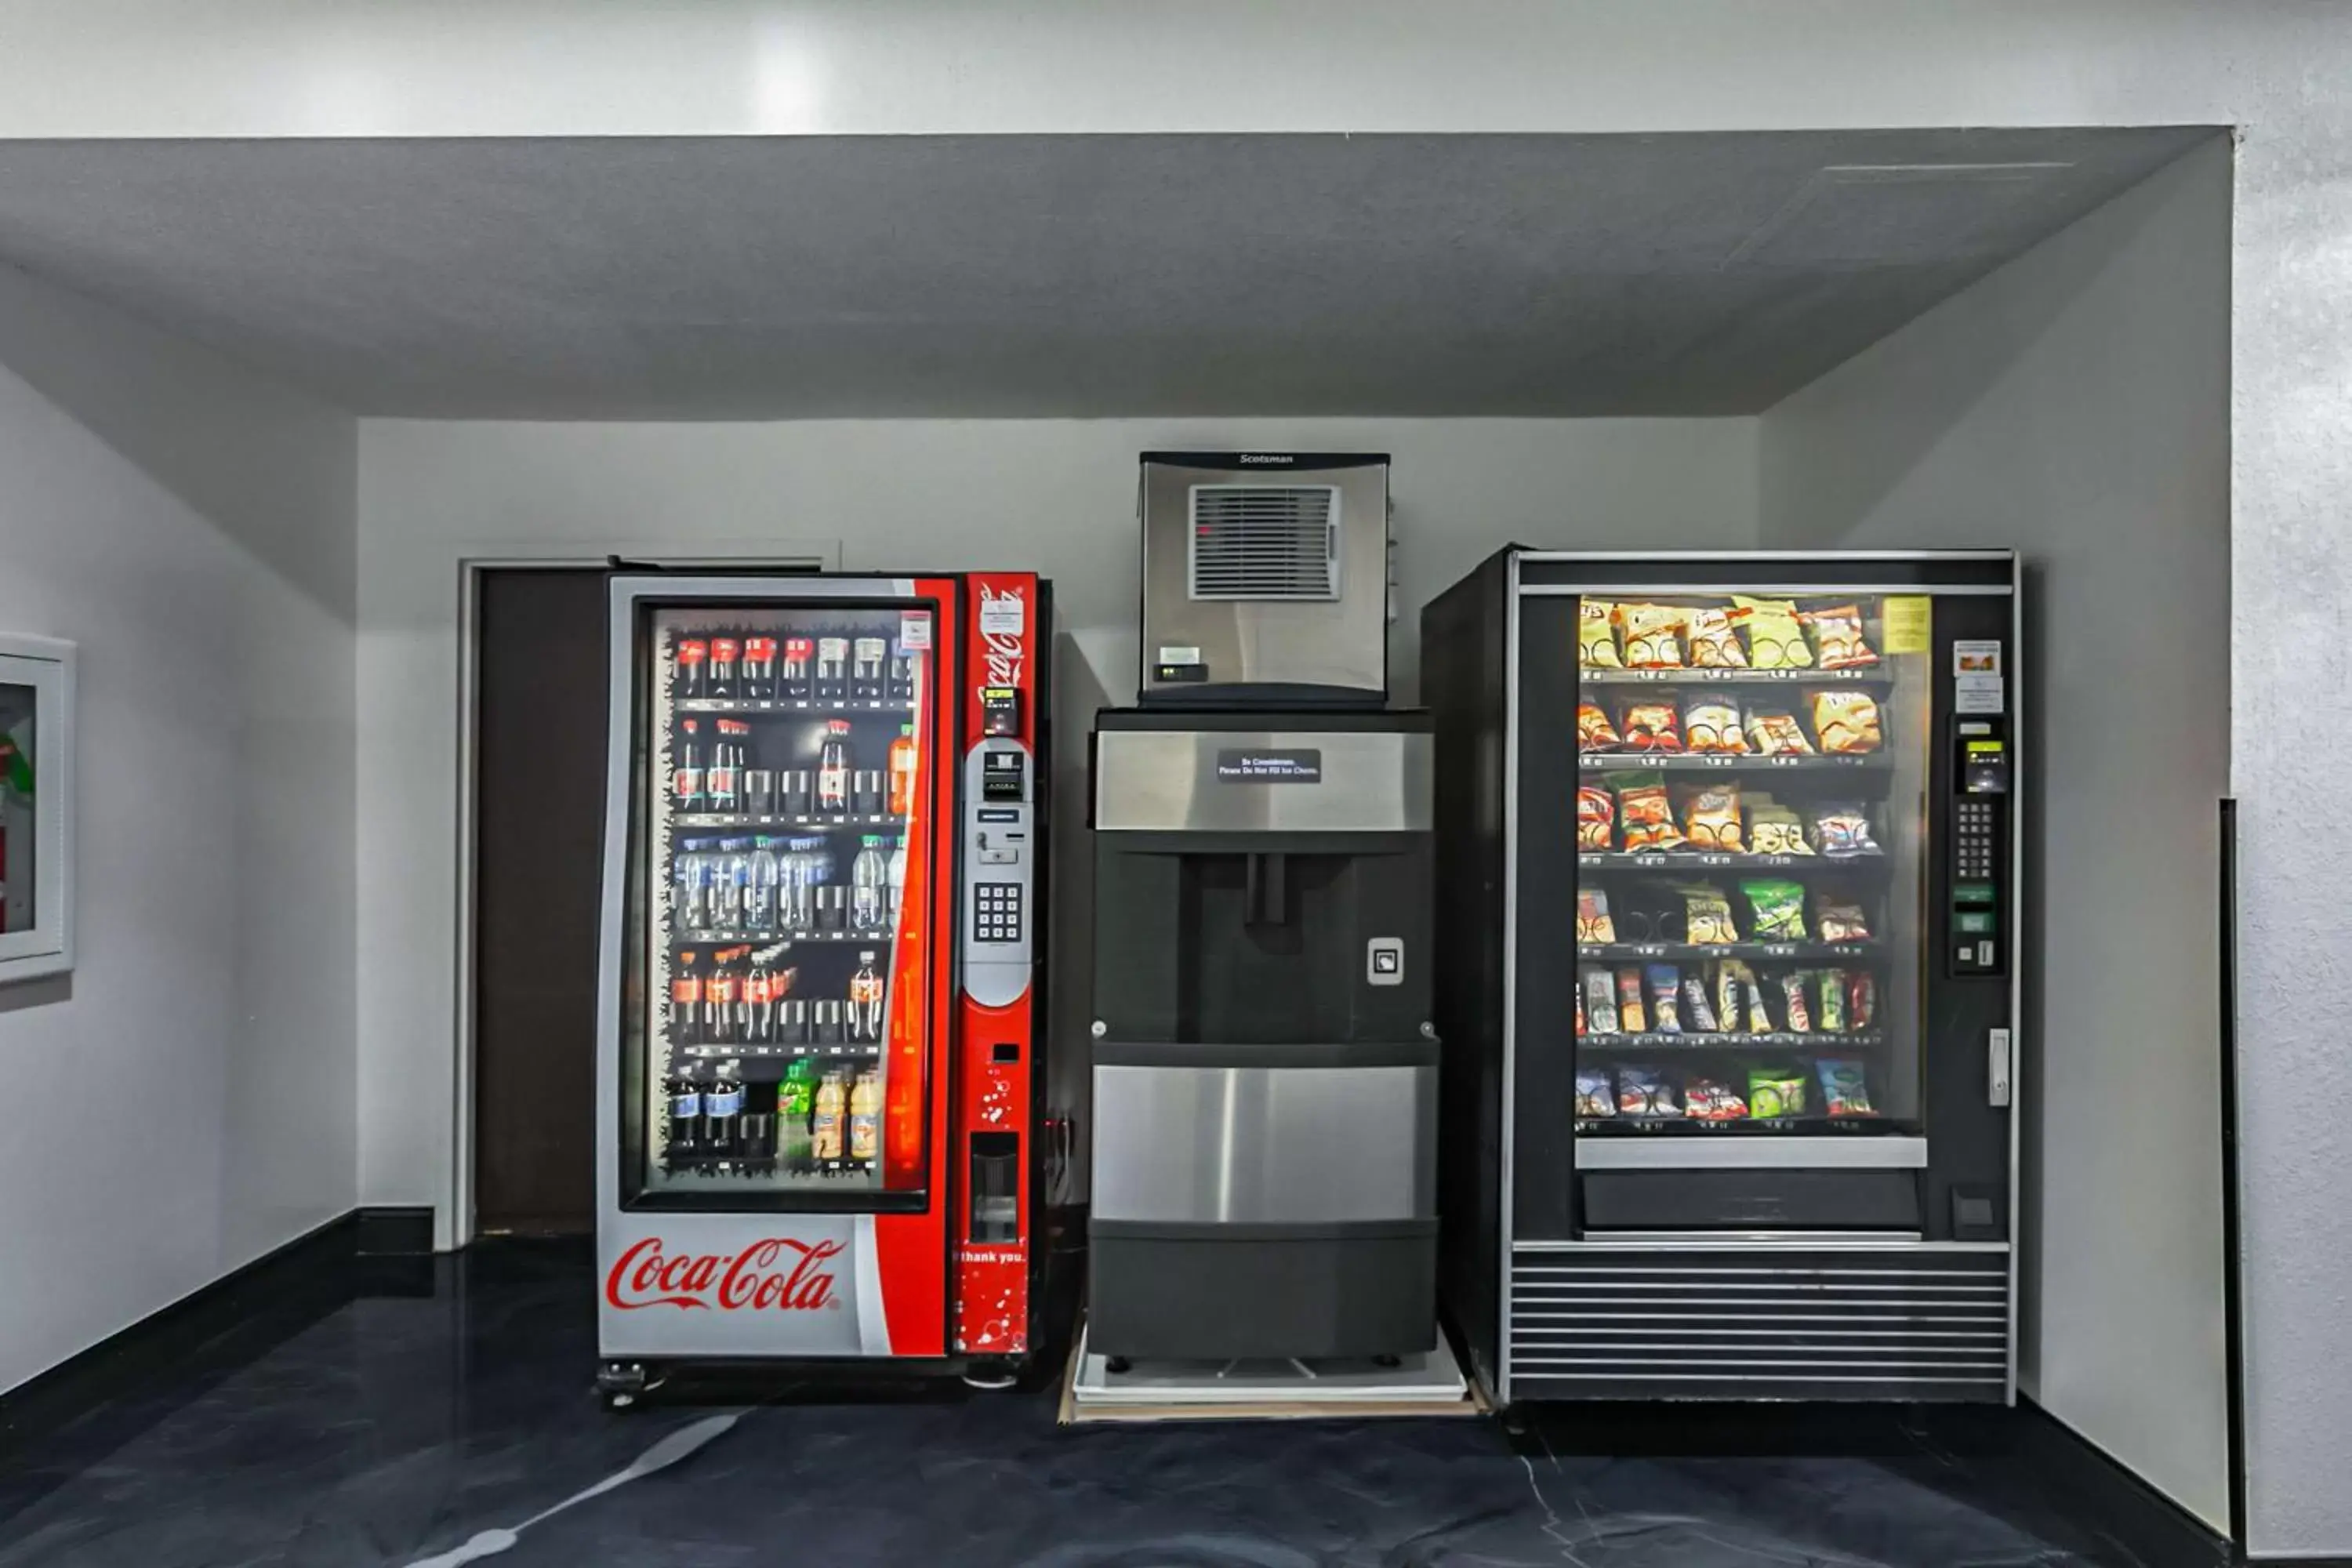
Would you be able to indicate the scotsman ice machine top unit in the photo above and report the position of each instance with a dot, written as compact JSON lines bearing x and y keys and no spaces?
{"x":1264,"y":579}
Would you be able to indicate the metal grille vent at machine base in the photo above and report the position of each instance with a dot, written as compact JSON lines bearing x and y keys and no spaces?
{"x":1266,"y":542}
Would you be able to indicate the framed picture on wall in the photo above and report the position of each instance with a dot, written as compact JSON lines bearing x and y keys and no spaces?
{"x":36,"y":798}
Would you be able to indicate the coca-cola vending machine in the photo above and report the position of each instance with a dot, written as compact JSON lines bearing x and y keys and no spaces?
{"x":821,"y":1010}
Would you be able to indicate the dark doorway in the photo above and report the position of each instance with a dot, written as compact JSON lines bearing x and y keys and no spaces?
{"x":539,"y":799}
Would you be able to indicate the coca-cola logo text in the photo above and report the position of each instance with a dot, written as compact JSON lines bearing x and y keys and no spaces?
{"x":778,"y":1274}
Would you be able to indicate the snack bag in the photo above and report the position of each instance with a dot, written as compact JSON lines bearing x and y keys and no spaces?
{"x":1773,"y":1094}
{"x":1760,"y":1022}
{"x":1711,"y":818}
{"x":1580,"y":1012}
{"x":1592,"y":921}
{"x":1847,"y":722}
{"x":1666,"y":999}
{"x":1600,"y":1001}
{"x":1842,"y":922}
{"x":1841,"y":829}
{"x":1837,"y":635}
{"x":1695,"y":1007}
{"x":1706,"y":917}
{"x":1861,"y":998}
{"x":1774,"y":829}
{"x":1595,"y":1095}
{"x":1653,"y":635}
{"x":1776,"y":638}
{"x":1829,"y":998}
{"x":1775,"y":732}
{"x":1792,"y":1001}
{"x":1727,"y":997}
{"x":1594,"y":733}
{"x":1648,"y":819}
{"x":1713,"y":643}
{"x":1650,"y":727}
{"x":1778,"y":907}
{"x":1845,"y":1088}
{"x":1644,"y":1092}
{"x":1596,"y":817}
{"x":1629,"y":1002}
{"x":1712,"y":726}
{"x":1596,"y":644}
{"x":1709,"y":1100}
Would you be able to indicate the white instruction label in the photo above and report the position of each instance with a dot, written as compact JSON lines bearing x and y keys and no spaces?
{"x":914,"y":632}
{"x":1180,"y":656}
{"x":1979,"y":694}
{"x":1003,"y":615}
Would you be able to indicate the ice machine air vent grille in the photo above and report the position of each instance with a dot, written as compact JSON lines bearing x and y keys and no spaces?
{"x":1267,"y":542}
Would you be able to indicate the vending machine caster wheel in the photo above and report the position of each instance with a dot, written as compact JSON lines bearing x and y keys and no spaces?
{"x":620,"y":1383}
{"x":1117,"y":1364}
{"x":990,"y":1375}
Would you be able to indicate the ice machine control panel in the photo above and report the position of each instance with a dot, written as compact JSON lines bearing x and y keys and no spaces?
{"x":1976,"y":939}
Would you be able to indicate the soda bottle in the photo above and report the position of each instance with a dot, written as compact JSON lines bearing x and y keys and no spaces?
{"x":764,"y":989}
{"x":792,"y":680}
{"x":832,"y":1104}
{"x":865,"y":1116}
{"x":755,"y":1135}
{"x":724,"y":652}
{"x":722,"y":1110}
{"x":795,"y":1104}
{"x":722,"y":989}
{"x":762,"y":886}
{"x":759,"y":668}
{"x":869,"y":887}
{"x":685,"y":780}
{"x":901,"y":685}
{"x":685,"y":1108}
{"x":723,"y":784}
{"x":833,"y":767}
{"x":832,"y":681}
{"x":868,"y":668}
{"x":897,"y":878}
{"x":866,"y":1002}
{"x":690,"y":884}
{"x":685,"y":998}
{"x":730,"y":873}
{"x":689,"y":657}
{"x":902,"y":773}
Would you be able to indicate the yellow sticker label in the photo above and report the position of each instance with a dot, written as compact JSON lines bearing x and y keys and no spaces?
{"x":1910,"y":623}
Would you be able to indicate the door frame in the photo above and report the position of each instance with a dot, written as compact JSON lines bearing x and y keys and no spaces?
{"x":724,"y":554}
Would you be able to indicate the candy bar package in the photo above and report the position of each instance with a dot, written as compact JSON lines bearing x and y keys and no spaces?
{"x":1711,"y":727}
{"x":1666,"y":999}
{"x":1650,"y":727}
{"x":1629,"y":1002}
{"x":1644,"y":1092}
{"x":1846,"y":723}
{"x":1773,"y":1093}
{"x":1794,"y":1005}
{"x":1778,"y":906}
{"x":1711,"y":818}
{"x":1726,"y":997}
{"x":1837,"y":636}
{"x":1845,"y":1088}
{"x":1695,"y":1007}
{"x":1713,"y":643}
{"x":1594,"y":733}
{"x":1708,"y":1101}
{"x":1600,"y":999}
{"x":1595,"y":1095}
{"x":1775,"y":732}
{"x":1760,"y":1022}
{"x":1842,"y":829}
{"x":1774,"y":828}
{"x":1776,"y":638}
{"x":1592,"y":921}
{"x":1829,"y":1001}
{"x":1861,"y":998}
{"x":1596,"y":644}
{"x":1841,"y":921}
{"x":1647,"y":816}
{"x":1653,"y":635}
{"x":1596,"y":817}
{"x":1706,"y":916}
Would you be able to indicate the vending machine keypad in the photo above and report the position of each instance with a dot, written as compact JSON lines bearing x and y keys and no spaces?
{"x":1974,"y":941}
{"x":996,"y":912}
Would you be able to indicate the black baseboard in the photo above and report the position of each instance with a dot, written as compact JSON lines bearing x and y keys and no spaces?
{"x":2112,"y":1500}
{"x":392,"y":1232}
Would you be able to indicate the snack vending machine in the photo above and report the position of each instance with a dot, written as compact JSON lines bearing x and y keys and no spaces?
{"x":1728,"y":869}
{"x":822,"y":1008}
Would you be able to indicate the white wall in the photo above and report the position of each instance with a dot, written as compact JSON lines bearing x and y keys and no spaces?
{"x":183,"y":1102}
{"x":2074,"y":404}
{"x":1055,"y":496}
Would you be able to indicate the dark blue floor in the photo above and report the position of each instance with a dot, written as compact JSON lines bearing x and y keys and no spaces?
{"x":398,"y":1429}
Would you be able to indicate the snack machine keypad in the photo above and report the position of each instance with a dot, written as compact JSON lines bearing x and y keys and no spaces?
{"x":1974,"y":941}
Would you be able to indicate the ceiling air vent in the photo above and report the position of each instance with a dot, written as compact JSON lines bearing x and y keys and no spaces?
{"x":1278,"y":542}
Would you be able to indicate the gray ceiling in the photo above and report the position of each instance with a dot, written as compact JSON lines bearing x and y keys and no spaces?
{"x":1052,"y":275}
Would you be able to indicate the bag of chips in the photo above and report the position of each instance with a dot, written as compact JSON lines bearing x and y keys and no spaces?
{"x":1596,"y":817}
{"x":1578,"y":991}
{"x":1711,"y":726}
{"x":1644,"y":1092}
{"x":1711,"y":818}
{"x":1846,"y":723}
{"x":1595,"y":1095}
{"x":1666,"y":999}
{"x":1829,"y":1001}
{"x":1706,"y":917}
{"x":1596,"y":644}
{"x":1773,"y":1093}
{"x":1630,"y":1016}
{"x":1592,"y":921}
{"x":1794,"y":1007}
{"x":1778,"y":907}
{"x":1760,"y":1022}
{"x":1775,"y":732}
{"x":1696,"y":1006}
{"x":1842,"y":829}
{"x":1600,"y":999}
{"x":1861,"y":998}
{"x":1841,"y":922}
{"x":1644,"y":810}
{"x":1713,"y":643}
{"x":1845,"y":1088}
{"x":1594,"y":733}
{"x":1650,"y":727}
{"x":1837,"y":636}
{"x":1774,"y":828}
{"x":1653,"y":635}
{"x":1709,"y":1100}
{"x":1776,"y":638}
{"x":1726,"y":997}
